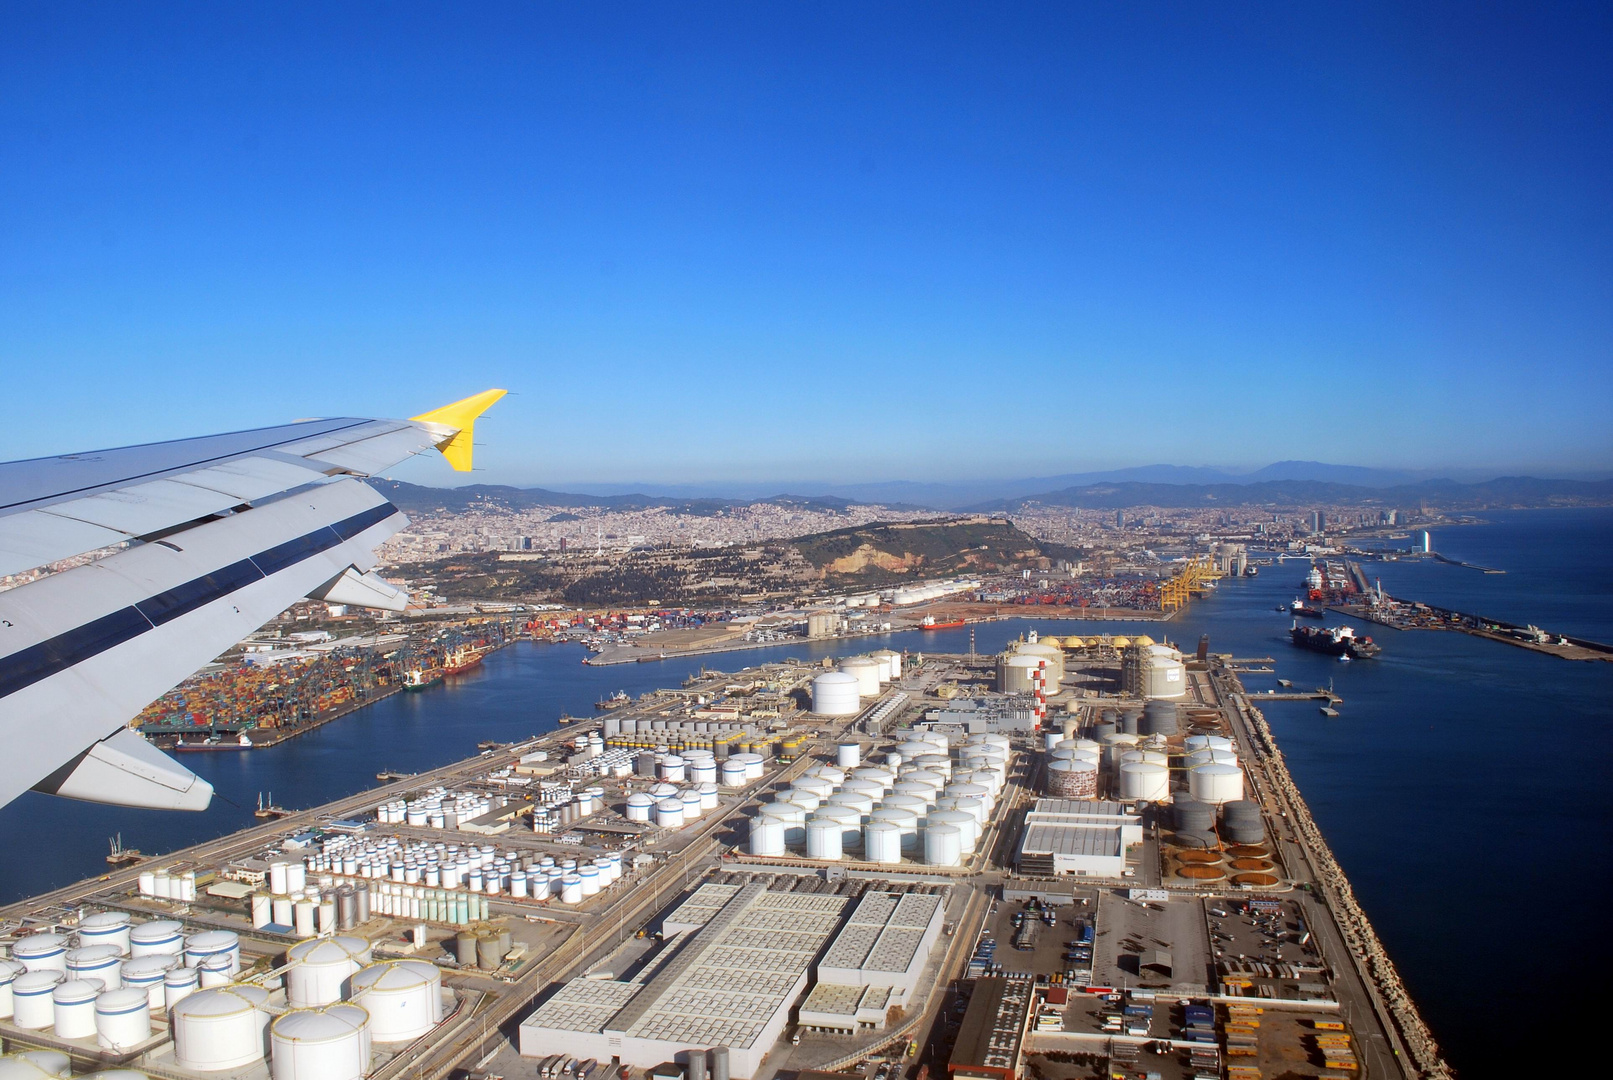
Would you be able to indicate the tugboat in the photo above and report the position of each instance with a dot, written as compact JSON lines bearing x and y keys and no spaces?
{"x":1337,"y":641}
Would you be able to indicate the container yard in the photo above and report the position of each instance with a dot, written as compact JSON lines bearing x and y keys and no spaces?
{"x":1088,"y":841}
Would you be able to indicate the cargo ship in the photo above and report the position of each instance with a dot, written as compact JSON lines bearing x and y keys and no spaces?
{"x":1335,"y":641}
{"x":421,"y":678}
{"x":214,"y":742}
{"x":461,"y":660}
{"x":1304,"y":610}
{"x":929,"y":623}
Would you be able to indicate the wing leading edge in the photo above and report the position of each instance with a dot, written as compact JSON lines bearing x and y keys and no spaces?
{"x":260,"y":520}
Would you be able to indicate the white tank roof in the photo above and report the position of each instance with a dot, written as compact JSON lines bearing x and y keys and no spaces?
{"x":332,"y":1023}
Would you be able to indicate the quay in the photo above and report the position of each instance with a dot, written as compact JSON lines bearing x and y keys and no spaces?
{"x":1399,"y":614}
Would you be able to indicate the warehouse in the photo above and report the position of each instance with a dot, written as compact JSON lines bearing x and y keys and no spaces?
{"x":737,"y":958}
{"x":1069,"y":836}
{"x":886,"y":943}
{"x":988,"y":1043}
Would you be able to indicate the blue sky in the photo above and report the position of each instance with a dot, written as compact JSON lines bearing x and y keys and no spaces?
{"x":847,"y":242}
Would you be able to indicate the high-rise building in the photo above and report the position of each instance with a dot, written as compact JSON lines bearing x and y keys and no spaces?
{"x":1317,"y":521}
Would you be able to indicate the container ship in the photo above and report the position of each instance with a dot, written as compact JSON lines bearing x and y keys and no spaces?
{"x":461,"y":660}
{"x":1335,"y":641}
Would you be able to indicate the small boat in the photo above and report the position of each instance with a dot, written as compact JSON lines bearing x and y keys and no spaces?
{"x":1330,"y":712}
{"x":1285,"y":682}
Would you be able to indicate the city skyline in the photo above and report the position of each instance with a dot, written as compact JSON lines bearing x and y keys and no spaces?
{"x":713,"y":246}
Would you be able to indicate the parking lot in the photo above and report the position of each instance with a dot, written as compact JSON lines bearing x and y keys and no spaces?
{"x":1263,"y":945}
{"x":1050,"y":952}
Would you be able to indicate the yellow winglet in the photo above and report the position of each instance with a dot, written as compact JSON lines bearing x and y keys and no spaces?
{"x":461,"y":416}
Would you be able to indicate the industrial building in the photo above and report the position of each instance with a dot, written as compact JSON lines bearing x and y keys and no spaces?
{"x":875,"y":961}
{"x":736,"y":959}
{"x":1079,"y":837}
{"x":978,"y":716}
{"x":989,"y":1041}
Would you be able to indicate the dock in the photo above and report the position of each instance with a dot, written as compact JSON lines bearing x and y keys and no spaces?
{"x":1400,"y":614}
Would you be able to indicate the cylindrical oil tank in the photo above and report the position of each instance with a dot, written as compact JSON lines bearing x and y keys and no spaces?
{"x":36,"y":1065}
{"x":792,"y":817}
{"x":918,"y":804}
{"x":1017,"y":674}
{"x":672,"y":769}
{"x":866,"y":672}
{"x":1076,"y":779}
{"x":943,"y":845}
{"x":835,"y":693}
{"x":403,"y":998}
{"x":690,"y":798}
{"x":491,"y":948}
{"x":590,"y":880}
{"x":32,"y":1004}
{"x":925,"y":793}
{"x":1117,"y":744}
{"x":42,"y":952}
{"x":571,"y":889}
{"x":719,"y":1063}
{"x":1215,"y":783}
{"x":1210,"y":757}
{"x":972,"y":804}
{"x":708,"y":797}
{"x":732,"y":773}
{"x":806,"y":800}
{"x":208,"y":943}
{"x":214,"y":971}
{"x":221,"y":1029}
{"x":848,"y":820}
{"x":1144,"y":781}
{"x":905,"y":820}
{"x":968,"y":828}
{"x":332,"y":1043}
{"x":73,"y":1008}
{"x":1066,"y":754}
{"x":1208,"y":742}
{"x":697,"y":1065}
{"x":848,"y":755}
{"x":317,"y":971}
{"x":892,"y":661}
{"x":146,"y":973}
{"x":766,"y":836}
{"x":105,"y":928}
{"x":179,"y":983}
{"x":830,"y":773}
{"x":860,"y":801}
{"x":9,"y":970}
{"x":102,"y":963}
{"x":817,"y":785}
{"x":1157,"y":757}
{"x":1159,"y":715}
{"x":122,"y":1018}
{"x":823,"y":838}
{"x":882,"y":779}
{"x":882,"y":842}
{"x":669,"y":813}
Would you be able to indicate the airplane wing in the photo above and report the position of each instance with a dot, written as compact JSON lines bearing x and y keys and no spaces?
{"x":213,"y":537}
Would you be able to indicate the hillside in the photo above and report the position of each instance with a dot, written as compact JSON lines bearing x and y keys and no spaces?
{"x":1507,"y":492}
{"x":883,"y":553}
{"x":414,"y":497}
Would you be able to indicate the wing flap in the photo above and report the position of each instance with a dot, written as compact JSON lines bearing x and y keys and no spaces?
{"x":145,"y":508}
{"x":34,"y":538}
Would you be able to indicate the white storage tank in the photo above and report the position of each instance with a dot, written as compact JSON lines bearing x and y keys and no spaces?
{"x":732,"y":774}
{"x":806,"y":800}
{"x":867,"y":672}
{"x":1144,"y":781}
{"x":766,"y":836}
{"x":641,"y":806}
{"x":669,"y":813}
{"x":917,"y":806}
{"x":892,"y":661}
{"x":882,"y":842}
{"x":9,"y":970}
{"x":32,"y":1004}
{"x":1208,"y":742}
{"x":101,"y":963}
{"x":73,"y":1006}
{"x":332,"y":1043}
{"x":823,"y":838}
{"x":1017,"y":674}
{"x":754,"y":764}
{"x":42,"y":952}
{"x":146,"y":973}
{"x":834,"y":693}
{"x":571,"y":889}
{"x":882,"y":779}
{"x":672,"y":769}
{"x":160,"y":937}
{"x":403,"y":998}
{"x":708,"y":797}
{"x":848,"y":755}
{"x":691,"y":804}
{"x":219,"y":1030}
{"x":105,"y":928}
{"x":817,"y":785}
{"x":860,"y":801}
{"x":209,"y":943}
{"x":943,"y":845}
{"x":848,"y":820}
{"x":317,"y":971}
{"x":1211,"y":757}
{"x":179,"y":983}
{"x":791,"y":817}
{"x":1215,"y":784}
{"x":968,"y":828}
{"x":122,"y":1018}
{"x":36,"y":1065}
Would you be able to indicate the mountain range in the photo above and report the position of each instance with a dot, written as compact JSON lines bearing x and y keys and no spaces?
{"x":1286,"y":483}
